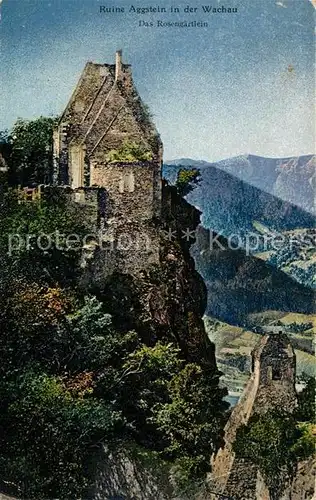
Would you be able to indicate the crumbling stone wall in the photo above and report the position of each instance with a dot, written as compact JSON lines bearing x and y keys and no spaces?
{"x":103,"y":113}
{"x":226,"y":469}
{"x":130,"y":188}
{"x":84,"y":96}
{"x":113,"y":242}
{"x":277,"y":366}
{"x":123,"y":247}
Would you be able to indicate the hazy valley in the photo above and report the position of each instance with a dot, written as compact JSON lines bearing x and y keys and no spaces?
{"x":267,"y":284}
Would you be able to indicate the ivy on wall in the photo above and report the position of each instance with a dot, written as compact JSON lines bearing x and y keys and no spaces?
{"x":129,"y":152}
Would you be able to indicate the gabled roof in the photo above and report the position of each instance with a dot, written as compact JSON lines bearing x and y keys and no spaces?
{"x":103,"y":92}
{"x":91,"y":76}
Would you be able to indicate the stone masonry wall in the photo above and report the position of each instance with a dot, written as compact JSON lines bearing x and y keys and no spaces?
{"x":131,"y":197}
{"x":126,"y":247}
{"x":272,"y":384}
{"x":277,"y":375}
{"x":93,"y":76}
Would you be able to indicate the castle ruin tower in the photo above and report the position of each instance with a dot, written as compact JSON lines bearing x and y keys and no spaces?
{"x":270,"y":387}
{"x":274,"y":365}
{"x":106,"y":138}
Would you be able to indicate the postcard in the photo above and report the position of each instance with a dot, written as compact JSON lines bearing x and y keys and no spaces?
{"x":157,"y":250}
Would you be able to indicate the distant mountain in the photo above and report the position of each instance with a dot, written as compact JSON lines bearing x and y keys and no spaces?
{"x":188,"y":162}
{"x":231,"y":206}
{"x":292,"y":179}
{"x":238,"y":199}
{"x":245,"y":292}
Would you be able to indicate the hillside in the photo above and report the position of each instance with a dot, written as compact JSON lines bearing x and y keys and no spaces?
{"x":230,"y":205}
{"x":239,"y":284}
{"x":295,"y":254}
{"x":237,"y":198}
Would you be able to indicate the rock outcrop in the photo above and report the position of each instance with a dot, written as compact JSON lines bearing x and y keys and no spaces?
{"x":165,"y":299}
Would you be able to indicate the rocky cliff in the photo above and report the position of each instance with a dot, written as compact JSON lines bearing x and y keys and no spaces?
{"x":163,"y":301}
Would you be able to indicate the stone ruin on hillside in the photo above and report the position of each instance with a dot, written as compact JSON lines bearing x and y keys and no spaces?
{"x":271,"y":385}
{"x":108,"y":151}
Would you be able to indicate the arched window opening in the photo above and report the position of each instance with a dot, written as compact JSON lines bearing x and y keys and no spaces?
{"x":127,"y":183}
{"x":130,"y":182}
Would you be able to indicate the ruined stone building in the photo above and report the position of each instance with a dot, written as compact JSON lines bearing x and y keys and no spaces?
{"x":107,"y":149}
{"x":105,"y":138}
{"x":271,"y":385}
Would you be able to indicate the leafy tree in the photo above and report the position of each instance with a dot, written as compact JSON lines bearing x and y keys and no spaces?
{"x":306,"y":400}
{"x":95,"y":344}
{"x":275,"y":443}
{"x":28,"y":150}
{"x":74,"y":381}
{"x":305,"y":445}
{"x":58,"y":392}
{"x":23,"y":224}
{"x":71,"y":378}
{"x":144,"y":384}
{"x":48,"y":434}
{"x":187,"y":179}
{"x":5,"y":146}
{"x":32,"y":322}
{"x":192,"y":419}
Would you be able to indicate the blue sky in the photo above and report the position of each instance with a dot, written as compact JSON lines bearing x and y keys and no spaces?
{"x":244,"y":84}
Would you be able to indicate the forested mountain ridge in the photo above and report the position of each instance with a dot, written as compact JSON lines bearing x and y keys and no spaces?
{"x":291,"y":179}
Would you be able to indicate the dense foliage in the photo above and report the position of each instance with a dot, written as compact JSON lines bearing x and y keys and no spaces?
{"x":277,"y":441}
{"x":28,"y":151}
{"x":186,"y":180}
{"x":72,"y":378}
{"x":33,"y":237}
{"x":129,"y":152}
{"x":306,"y":411}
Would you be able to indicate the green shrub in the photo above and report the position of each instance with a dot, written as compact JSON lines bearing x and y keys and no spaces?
{"x":129,"y":152}
{"x":186,"y":180}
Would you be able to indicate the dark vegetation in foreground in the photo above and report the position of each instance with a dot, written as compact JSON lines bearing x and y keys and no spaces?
{"x":71,"y":380}
{"x":277,"y":441}
{"x":72,"y":375}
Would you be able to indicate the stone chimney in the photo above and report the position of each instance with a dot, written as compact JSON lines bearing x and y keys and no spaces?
{"x":118,"y":64}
